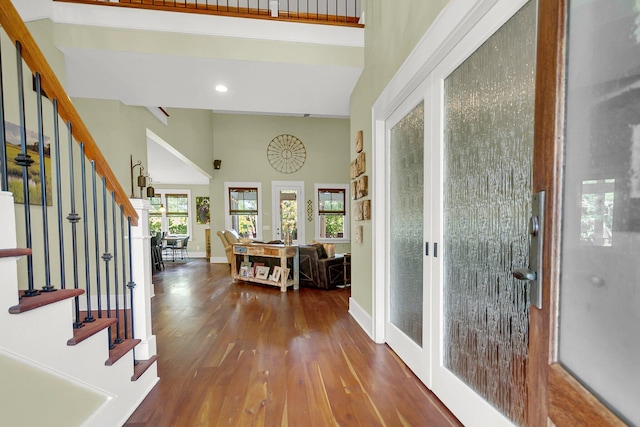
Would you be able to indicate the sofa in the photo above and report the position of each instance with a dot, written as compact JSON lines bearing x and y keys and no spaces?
{"x":318,"y":270}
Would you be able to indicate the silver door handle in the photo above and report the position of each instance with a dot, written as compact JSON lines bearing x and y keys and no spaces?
{"x":524,"y":274}
{"x":533,"y":273}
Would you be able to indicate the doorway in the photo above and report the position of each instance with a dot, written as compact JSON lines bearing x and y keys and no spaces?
{"x":467,"y":206}
{"x":288,"y":213}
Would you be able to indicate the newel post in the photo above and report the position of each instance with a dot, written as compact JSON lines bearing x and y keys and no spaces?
{"x":141,"y":275}
{"x":8,"y":266}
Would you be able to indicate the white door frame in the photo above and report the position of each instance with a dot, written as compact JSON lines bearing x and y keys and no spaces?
{"x":451,"y":30}
{"x":275,"y":209}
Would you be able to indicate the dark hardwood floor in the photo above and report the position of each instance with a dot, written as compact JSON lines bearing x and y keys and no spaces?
{"x":239,"y":354}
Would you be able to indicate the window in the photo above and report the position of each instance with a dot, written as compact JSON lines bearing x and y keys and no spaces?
{"x":243,"y":204}
{"x":170,"y":212}
{"x":332,"y":222}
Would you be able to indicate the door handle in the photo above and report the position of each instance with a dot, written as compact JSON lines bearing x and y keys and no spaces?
{"x":524,"y":274}
{"x":533,"y":273}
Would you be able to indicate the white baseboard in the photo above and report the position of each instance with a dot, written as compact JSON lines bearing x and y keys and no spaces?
{"x":362,"y":317}
{"x":219,"y":260}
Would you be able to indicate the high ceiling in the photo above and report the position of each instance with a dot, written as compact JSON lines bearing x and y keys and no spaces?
{"x":121,"y":65}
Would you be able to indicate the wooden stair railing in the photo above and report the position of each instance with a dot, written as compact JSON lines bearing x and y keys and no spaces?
{"x":17,"y":31}
{"x":107,"y":260}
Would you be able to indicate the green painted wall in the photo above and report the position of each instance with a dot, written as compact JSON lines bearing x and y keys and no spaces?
{"x":392,"y":29}
{"x":241,"y":141}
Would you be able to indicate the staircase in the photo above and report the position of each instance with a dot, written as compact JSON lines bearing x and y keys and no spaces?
{"x":78,"y":351}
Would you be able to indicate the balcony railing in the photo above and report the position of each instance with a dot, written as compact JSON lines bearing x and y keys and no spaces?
{"x":335,"y":12}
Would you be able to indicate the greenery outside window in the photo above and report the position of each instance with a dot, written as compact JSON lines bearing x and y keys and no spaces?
{"x":332,"y":212}
{"x":170,"y":212}
{"x":243,"y":203}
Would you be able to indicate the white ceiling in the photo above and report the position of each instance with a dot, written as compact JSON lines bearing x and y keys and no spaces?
{"x":177,"y":81}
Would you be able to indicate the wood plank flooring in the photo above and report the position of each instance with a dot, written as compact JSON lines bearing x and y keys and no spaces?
{"x":239,"y":354}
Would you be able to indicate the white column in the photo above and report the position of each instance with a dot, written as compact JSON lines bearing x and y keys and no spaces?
{"x":8,"y":266}
{"x":142,"y":293}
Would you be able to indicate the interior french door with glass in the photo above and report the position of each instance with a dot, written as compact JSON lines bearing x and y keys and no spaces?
{"x":288,"y":210}
{"x":586,"y":358}
{"x":482,"y":135}
{"x":406,"y":320}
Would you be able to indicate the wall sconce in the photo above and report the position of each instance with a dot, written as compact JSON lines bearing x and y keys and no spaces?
{"x":217,"y":164}
{"x":141,"y":180}
{"x":162,"y":208}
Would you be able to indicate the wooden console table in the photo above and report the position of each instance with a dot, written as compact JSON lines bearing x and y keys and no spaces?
{"x":282,"y":252}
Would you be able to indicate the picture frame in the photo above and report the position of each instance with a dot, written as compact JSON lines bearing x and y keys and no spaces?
{"x":357,"y":211}
{"x":361,"y":164}
{"x":359,"y":142}
{"x":202,"y":209}
{"x":358,"y":234}
{"x":262,"y":272}
{"x":244,"y":271}
{"x":13,"y":148}
{"x":366,"y":209}
{"x":362,"y":187}
{"x":277,"y":272}
{"x":255,"y":268}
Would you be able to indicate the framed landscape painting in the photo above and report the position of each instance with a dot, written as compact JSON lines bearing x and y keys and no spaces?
{"x":14,"y":171}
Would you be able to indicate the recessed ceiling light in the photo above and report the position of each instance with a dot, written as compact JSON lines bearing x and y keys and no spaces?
{"x":221,"y":88}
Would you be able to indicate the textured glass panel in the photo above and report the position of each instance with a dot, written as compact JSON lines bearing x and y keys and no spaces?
{"x":599,"y":314}
{"x":489,"y":106}
{"x":406,"y":223}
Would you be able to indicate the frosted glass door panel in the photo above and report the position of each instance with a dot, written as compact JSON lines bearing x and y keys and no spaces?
{"x":407,"y":223}
{"x":599,"y":313}
{"x":488,"y":153}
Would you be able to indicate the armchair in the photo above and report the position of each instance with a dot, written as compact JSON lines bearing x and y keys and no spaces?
{"x":228,"y":238}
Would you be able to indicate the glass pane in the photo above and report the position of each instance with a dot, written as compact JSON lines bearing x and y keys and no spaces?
{"x":245,"y":225}
{"x":600,"y":274}
{"x":289,"y":213}
{"x":489,"y":109}
{"x":243,"y":199}
{"x":155,"y":224}
{"x":407,"y":223}
{"x":331,"y":226}
{"x":177,"y":203}
{"x":178,"y":225}
{"x":331,"y":200}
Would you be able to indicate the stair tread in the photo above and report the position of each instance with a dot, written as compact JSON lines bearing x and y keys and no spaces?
{"x":120,"y":350}
{"x":89,"y":329}
{"x":141,"y":367}
{"x":16,"y":252}
{"x":45,"y":298}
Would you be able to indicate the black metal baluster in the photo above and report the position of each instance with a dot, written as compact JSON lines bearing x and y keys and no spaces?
{"x":24,"y":160}
{"x":131,"y":285}
{"x":106,"y":256}
{"x":4,"y":177}
{"x":115,"y":265}
{"x":87,"y":271}
{"x":56,"y":147}
{"x":96,"y":236}
{"x":43,"y":188}
{"x":73,"y":219}
{"x":124,"y":274}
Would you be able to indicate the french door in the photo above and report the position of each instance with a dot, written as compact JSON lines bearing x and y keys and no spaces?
{"x":406,"y":296}
{"x":288,"y":210}
{"x":585,"y":352}
{"x":460,"y":151}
